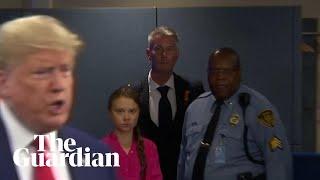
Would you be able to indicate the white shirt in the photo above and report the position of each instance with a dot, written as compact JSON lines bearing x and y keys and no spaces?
{"x":21,"y":137}
{"x":154,"y":98}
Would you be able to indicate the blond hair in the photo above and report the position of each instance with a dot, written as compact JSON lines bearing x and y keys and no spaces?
{"x":27,"y":35}
{"x":162,"y":31}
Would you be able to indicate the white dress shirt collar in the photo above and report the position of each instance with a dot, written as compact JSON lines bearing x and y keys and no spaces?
{"x":20,"y":137}
{"x":153,"y":85}
{"x":154,"y":98}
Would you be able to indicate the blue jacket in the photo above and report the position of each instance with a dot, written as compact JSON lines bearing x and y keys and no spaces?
{"x":226,"y":157}
{"x":8,"y":170}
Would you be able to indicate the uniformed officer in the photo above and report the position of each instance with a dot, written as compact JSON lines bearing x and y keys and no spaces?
{"x":232,"y":132}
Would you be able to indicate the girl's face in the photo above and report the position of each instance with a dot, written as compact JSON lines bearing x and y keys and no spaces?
{"x":124,"y":113}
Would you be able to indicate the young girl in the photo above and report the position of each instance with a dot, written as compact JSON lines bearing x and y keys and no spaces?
{"x":138,"y":155}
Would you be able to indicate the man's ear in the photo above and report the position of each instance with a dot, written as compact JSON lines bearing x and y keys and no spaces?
{"x":3,"y":80}
{"x":2,"y":77}
{"x":149,"y":53}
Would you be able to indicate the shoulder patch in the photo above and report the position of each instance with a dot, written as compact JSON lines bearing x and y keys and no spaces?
{"x":275,"y":143}
{"x":266,"y":118}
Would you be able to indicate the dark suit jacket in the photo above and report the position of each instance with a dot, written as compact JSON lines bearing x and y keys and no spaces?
{"x":8,"y":170}
{"x":168,"y":142}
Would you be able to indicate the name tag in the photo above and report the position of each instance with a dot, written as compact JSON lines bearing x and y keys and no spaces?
{"x":220,"y":153}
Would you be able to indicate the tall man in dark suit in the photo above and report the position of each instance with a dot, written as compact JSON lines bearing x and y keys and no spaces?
{"x":37,"y":59}
{"x":164,"y":98}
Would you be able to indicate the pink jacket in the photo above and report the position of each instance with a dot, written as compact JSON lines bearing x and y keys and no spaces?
{"x":129,"y":163}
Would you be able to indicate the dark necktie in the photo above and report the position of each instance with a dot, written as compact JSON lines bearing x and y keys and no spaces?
{"x":199,"y":165}
{"x":44,"y":172}
{"x":165,"y":112}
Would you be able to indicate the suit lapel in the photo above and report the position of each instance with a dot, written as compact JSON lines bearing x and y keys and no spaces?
{"x":7,"y":167}
{"x":62,"y":133}
{"x":82,"y":141}
{"x":144,"y":99}
{"x":180,"y":89}
{"x":75,"y":173}
{"x":78,"y":173}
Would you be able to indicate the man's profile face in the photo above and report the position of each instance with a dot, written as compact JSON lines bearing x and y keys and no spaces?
{"x":39,"y":90}
{"x":163,"y":53}
{"x":223,"y":76}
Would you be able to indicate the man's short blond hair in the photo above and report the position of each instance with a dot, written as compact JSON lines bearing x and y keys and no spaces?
{"x":162,"y":31}
{"x":27,"y":35}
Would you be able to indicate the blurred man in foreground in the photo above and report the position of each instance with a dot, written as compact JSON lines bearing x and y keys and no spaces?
{"x":37,"y":60}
